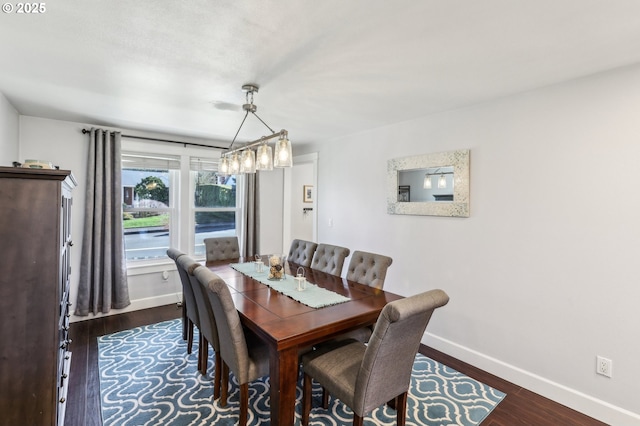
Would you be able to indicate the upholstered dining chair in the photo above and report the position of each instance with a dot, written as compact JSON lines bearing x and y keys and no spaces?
{"x":366,"y":376}
{"x":190,"y":308}
{"x":222,"y":248}
{"x":368,"y":268}
{"x":329,"y":259}
{"x":301,"y":252}
{"x":208,"y":329}
{"x":242,"y":352}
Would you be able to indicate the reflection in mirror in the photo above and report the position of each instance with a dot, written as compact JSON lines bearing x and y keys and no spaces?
{"x":431,"y":184}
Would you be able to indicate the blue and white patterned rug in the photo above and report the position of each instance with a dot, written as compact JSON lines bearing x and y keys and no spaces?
{"x":147,"y":378}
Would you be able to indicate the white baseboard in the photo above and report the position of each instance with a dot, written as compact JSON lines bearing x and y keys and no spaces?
{"x":136,"y":305}
{"x":593,"y":407}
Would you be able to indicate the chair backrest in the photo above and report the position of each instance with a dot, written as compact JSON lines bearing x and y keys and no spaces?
{"x":386,"y":367}
{"x":329,"y":259}
{"x":207,"y":324}
{"x":368,"y":268}
{"x":301,"y":252}
{"x":222,"y":248}
{"x":233,"y":345}
{"x":189,"y":299}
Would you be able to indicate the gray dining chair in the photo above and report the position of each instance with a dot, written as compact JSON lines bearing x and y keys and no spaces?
{"x":366,"y":376}
{"x":301,"y":252}
{"x":208,"y":329}
{"x":190,"y":309}
{"x":368,"y":268}
{"x":329,"y":259}
{"x":222,"y":248}
{"x":242,"y":351}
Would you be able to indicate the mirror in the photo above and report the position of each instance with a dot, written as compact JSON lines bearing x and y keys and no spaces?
{"x":447,"y":174}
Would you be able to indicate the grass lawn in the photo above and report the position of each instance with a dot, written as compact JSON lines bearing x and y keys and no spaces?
{"x":146,"y":222}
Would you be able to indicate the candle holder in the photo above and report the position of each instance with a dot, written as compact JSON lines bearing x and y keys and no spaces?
{"x":301,"y":280}
{"x":259,"y":265}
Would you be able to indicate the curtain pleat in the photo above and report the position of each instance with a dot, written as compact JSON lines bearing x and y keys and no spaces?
{"x":251,"y":244}
{"x":103,"y":274}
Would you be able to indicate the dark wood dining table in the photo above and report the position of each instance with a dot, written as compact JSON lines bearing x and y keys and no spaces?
{"x":288,"y":326}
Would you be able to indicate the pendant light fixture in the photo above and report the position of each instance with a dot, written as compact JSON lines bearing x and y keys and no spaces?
{"x":264,"y":157}
{"x":245,"y":159}
{"x":441,"y":173}
{"x":427,"y":181}
{"x":442,"y":182}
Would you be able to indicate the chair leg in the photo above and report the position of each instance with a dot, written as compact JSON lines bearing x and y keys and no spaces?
{"x":306,"y":399}
{"x":189,"y":336}
{"x":185,"y":320}
{"x":200,"y":353}
{"x":224,"y":385}
{"x":244,"y":404}
{"x":203,"y":354}
{"x":325,"y":398}
{"x":216,"y":375}
{"x":401,"y":408}
{"x":357,"y":420}
{"x":392,"y":404}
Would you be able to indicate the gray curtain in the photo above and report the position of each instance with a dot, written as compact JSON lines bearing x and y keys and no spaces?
{"x":103,"y":272}
{"x":251,"y":236}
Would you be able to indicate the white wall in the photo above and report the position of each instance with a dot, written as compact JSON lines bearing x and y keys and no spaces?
{"x":301,"y":223}
{"x":271,"y":213}
{"x":544,"y":274}
{"x":9,"y":133}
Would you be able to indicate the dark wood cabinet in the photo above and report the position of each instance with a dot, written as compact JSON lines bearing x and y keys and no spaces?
{"x":35,"y":250}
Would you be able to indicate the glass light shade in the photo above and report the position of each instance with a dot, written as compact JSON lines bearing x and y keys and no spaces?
{"x":427,"y":182}
{"x":234,"y":164}
{"x":283,"y":156}
{"x":223,"y":167}
{"x":248,"y":161}
{"x":442,"y":182}
{"x":264,"y":158}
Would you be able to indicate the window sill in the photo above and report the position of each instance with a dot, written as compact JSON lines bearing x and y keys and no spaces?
{"x":143,"y":267}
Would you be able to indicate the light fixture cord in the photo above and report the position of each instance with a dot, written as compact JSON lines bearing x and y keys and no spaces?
{"x":249,"y":98}
{"x":234,"y":138}
{"x":256,"y":115}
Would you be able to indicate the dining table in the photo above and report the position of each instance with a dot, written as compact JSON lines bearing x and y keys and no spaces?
{"x":289,"y":327}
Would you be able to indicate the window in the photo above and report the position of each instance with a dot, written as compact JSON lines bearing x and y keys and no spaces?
{"x":174,"y":200}
{"x":214,"y":203}
{"x":147,"y":184}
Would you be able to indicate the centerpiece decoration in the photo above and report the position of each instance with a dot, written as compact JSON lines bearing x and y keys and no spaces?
{"x":276,"y":267}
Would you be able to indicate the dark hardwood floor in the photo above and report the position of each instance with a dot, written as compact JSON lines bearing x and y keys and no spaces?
{"x":520,"y":407}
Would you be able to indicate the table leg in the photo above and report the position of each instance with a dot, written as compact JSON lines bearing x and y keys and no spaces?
{"x":283,"y":371}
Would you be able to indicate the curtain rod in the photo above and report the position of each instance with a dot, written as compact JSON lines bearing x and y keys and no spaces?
{"x":85,"y":131}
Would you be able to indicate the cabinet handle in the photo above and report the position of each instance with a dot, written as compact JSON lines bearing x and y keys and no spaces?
{"x":64,"y":376}
{"x":71,"y":243}
{"x":62,"y":400}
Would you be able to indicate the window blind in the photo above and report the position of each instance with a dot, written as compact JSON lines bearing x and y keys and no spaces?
{"x":150,"y":161}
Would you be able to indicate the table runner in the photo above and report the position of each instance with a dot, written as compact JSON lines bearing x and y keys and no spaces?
{"x":313,"y":296}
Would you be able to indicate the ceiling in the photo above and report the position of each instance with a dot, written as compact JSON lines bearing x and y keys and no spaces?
{"x":325,"y":68}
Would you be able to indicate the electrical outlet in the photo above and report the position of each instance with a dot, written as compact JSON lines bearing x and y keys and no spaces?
{"x":604,"y":366}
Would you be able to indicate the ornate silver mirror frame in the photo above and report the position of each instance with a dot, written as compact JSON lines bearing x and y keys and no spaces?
{"x":459,"y":207}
